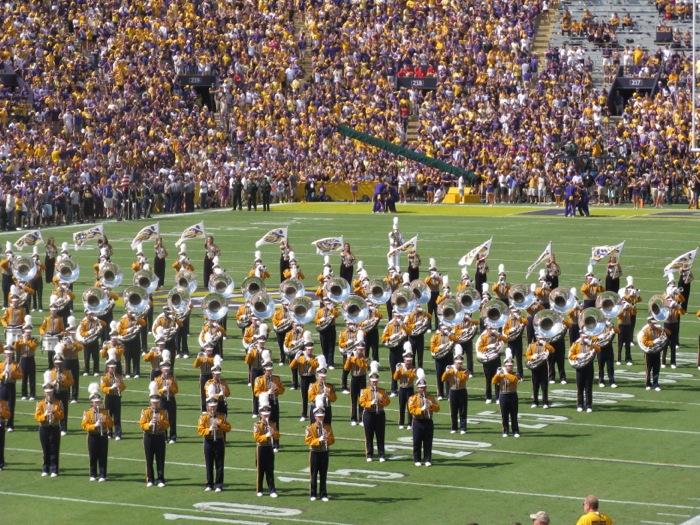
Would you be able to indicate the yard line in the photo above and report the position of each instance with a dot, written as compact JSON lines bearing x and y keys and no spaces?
{"x":658,"y":522}
{"x":692,"y":521}
{"x":676,"y":515}
{"x":178,"y":517}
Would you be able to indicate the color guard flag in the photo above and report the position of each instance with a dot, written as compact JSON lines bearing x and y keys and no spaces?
{"x":80,"y":238}
{"x":272,"y":237}
{"x":482,"y":249}
{"x":601,"y":252}
{"x":193,"y":232}
{"x":687,"y":258}
{"x":149,"y":233}
{"x":31,"y":238}
{"x":545,"y":255}
{"x":409,"y":245}
{"x":328,"y":245}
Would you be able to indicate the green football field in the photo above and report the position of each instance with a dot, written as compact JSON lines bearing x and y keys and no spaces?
{"x":635,"y":451}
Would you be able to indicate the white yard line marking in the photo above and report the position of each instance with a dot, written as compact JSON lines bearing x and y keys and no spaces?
{"x":286,"y":479}
{"x":209,"y":519}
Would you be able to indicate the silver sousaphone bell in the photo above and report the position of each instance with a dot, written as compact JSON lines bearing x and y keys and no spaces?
{"x":337,"y":289}
{"x":263,"y":305}
{"x":302,"y":310}
{"x":252,"y":285}
{"x":450,"y":312}
{"x":354,"y":309}
{"x":469,"y":298}
{"x":146,"y":279}
{"x":404,"y":301}
{"x":215,"y":306}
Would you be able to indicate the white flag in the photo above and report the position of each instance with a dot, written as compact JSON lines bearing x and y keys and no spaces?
{"x":687,"y":258}
{"x":545,"y":255}
{"x":80,"y":238}
{"x":148,"y":233}
{"x":31,"y":238}
{"x":409,"y":245}
{"x":601,"y":252}
{"x":328,"y":245}
{"x":272,"y":237}
{"x":193,"y":232}
{"x":482,"y":249}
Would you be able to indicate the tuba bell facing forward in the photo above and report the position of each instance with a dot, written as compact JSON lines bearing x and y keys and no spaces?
{"x":67,"y":271}
{"x":179,"y":302}
{"x":111,"y":275}
{"x":24,"y":269}
{"x":147,"y":280}
{"x":214,"y":306}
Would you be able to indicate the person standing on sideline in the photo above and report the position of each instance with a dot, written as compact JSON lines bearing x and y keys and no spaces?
{"x":591,"y":514}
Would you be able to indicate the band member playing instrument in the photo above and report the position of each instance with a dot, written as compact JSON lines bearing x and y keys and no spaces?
{"x":322,"y":393}
{"x":52,"y":327}
{"x":170,"y":325}
{"x":71,"y":354}
{"x":356,"y":365}
{"x":113,"y":347}
{"x":6,"y":268}
{"x":155,"y":355}
{"x":422,"y":406}
{"x":685,"y":278}
{"x":540,"y":373}
{"x":625,"y":321}
{"x":260,"y":270}
{"x":272,"y":386}
{"x":672,"y":324}
{"x":25,"y":349}
{"x":395,"y":241}
{"x":501,"y":288}
{"x":346,"y":344}
{"x":49,"y":414}
{"x":154,"y":423}
{"x":10,"y":372}
{"x":293,"y":271}
{"x":51,"y":251}
{"x":63,"y":381}
{"x":489,"y":340}
{"x":183,"y":262}
{"x":266,"y":434}
{"x":394,"y":335}
{"x":168,"y":388}
{"x":254,"y":359}
{"x":584,"y":374}
{"x":293,"y":343}
{"x":347,"y":263}
{"x":441,"y":345}
{"x":507,"y":383}
{"x":112,"y":387}
{"x":4,"y":416}
{"x":652,"y":337}
{"x":306,"y":364}
{"x":417,"y":324}
{"x":513,"y":329}
{"x":129,"y":329}
{"x":373,"y":400}
{"x":212,"y":426}
{"x":13,"y":317}
{"x":606,"y":356}
{"x":370,"y":327}
{"x":37,"y":282}
{"x":590,"y":289}
{"x":434,"y":280}
{"x":319,"y":437}
{"x":97,"y":424}
{"x":64,"y":298}
{"x":612,"y":276}
{"x":480,"y":274}
{"x":405,"y":375}
{"x":394,"y":280}
{"x":244,"y":316}
{"x":285,"y":250}
{"x":325,"y":325}
{"x":89,"y":331}
{"x":282,"y":325}
{"x":220,"y":387}
{"x":456,"y":378}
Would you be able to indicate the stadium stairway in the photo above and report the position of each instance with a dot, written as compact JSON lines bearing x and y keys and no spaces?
{"x":299,"y":26}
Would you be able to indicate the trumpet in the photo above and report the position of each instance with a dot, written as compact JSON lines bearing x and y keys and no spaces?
{"x":49,"y":412}
{"x":114,"y":384}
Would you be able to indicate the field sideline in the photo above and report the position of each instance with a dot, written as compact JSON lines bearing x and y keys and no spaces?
{"x":635,"y":451}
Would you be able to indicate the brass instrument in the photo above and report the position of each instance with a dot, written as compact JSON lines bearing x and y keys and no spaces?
{"x":521,"y":296}
{"x":110,"y":274}
{"x":516,"y":328}
{"x":378,"y":291}
{"x":179,"y":302}
{"x":539,"y":358}
{"x":583,"y":358}
{"x":658,"y":344}
{"x":450,"y":311}
{"x":215,"y":306}
{"x":467,"y":332}
{"x":562,"y":300}
{"x":609,"y":303}
{"x":469,"y":298}
{"x":493,"y":350}
{"x":147,"y":280}
{"x":49,"y":412}
{"x":422,"y":323}
{"x":24,"y":269}
{"x":548,"y":325}
{"x":252,"y":285}
{"x":397,"y":338}
{"x":222,"y":284}
{"x":291,"y":288}
{"x":420,"y":291}
{"x":404,"y":301}
{"x":187,"y":280}
{"x":326,"y":321}
{"x":371,"y":322}
{"x":496,"y":313}
{"x":67,"y":270}
{"x":296,"y":346}
{"x":443,"y":349}
{"x":337,"y":289}
{"x":263,"y":305}
{"x":659,"y":307}
{"x":302,"y":310}
{"x":354,"y":309}
{"x":97,"y":301}
{"x":245,"y":320}
{"x":136,"y":300}
{"x":114,"y":383}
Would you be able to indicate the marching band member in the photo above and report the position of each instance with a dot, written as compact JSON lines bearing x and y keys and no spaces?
{"x":89,"y":331}
{"x":356,"y":365}
{"x":71,"y":353}
{"x":465,"y":281}
{"x":441,"y":345}
{"x":553,"y":271}
{"x":282,"y":325}
{"x":685,"y":278}
{"x":413,"y":265}
{"x":221,"y":388}
{"x":394,"y":335}
{"x":541,"y":299}
{"x":405,"y":374}
{"x":216,"y":334}
{"x":107,"y":316}
{"x":212,"y":426}
{"x":147,"y":317}
{"x":590,"y":289}
{"x":502,"y":287}
{"x":482,"y":268}
{"x":346,"y":344}
{"x":205,"y":362}
{"x":417,"y":324}
{"x":627,"y":320}
{"x":129,"y":328}
{"x":244,"y":316}
{"x":64,"y":298}
{"x":395,"y":280}
{"x":211,"y":252}
{"x":422,"y":406}
{"x":260,"y":270}
{"x":325,"y":325}
{"x":51,"y":252}
{"x":266,"y":434}
{"x":25,"y":349}
{"x":507,"y":383}
{"x":63,"y":381}
{"x":113,"y":344}
{"x":652,"y":336}
{"x":52,"y":326}
{"x":612,"y":276}
{"x":319,"y":437}
{"x":37,"y":282}
{"x":24,"y":292}
{"x":672,"y":322}
{"x":294,"y":342}
{"x":141,"y":260}
{"x":465,"y":332}
{"x":359,"y":285}
{"x":170,"y":325}
{"x":4,"y":416}
{"x":168,"y":388}
{"x":14,"y":316}
{"x":395,"y":240}
{"x":292,"y":271}
{"x":269,"y":384}
{"x":370,"y":327}
{"x":434,"y":280}
{"x":446,"y":293}
{"x":250,"y":337}
{"x":285,"y":250}
{"x":456,"y":379}
{"x":49,"y":414}
{"x":490,"y":339}
{"x":373,"y":400}
{"x":513,"y":330}
{"x":306,"y":364}
{"x":159,"y":261}
{"x":543,"y":290}
{"x":324,"y":391}
{"x":155,"y":355}
{"x":540,"y":373}
{"x":584,"y":374}
{"x":10,"y":372}
{"x":97,"y":424}
{"x":347,"y":263}
{"x":112,"y":387}
{"x":183,"y":262}
{"x":154,"y":423}
{"x":606,"y":357}
{"x":6,"y":269}
{"x":254,"y":358}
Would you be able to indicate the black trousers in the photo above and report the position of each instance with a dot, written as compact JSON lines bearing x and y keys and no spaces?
{"x":170,"y":406}
{"x":132,"y":356}
{"x":509,"y":411}
{"x":516,"y":345}
{"x":606,"y":359}
{"x":540,"y":380}
{"x":458,"y":408}
{"x":423,"y":431}
{"x":304,"y":387}
{"x":7,"y":283}
{"x":74,"y":366}
{"x":154,"y":448}
{"x":672,"y":342}
{"x":653,"y":366}
{"x":357,"y":383}
{"x":2,"y":445}
{"x":418,"y":346}
{"x":265,"y":463}
{"x":557,"y":358}
{"x":395,"y":357}
{"x":404,"y":395}
{"x":113,"y":404}
{"x":183,"y":348}
{"x":432,"y":310}
{"x":584,"y":386}
{"x":318,"y":464}
{"x":372,"y":343}
{"x":490,"y":368}
{"x":97,"y":451}
{"x":50,"y":437}
{"x":8,"y":392}
{"x":37,"y":299}
{"x":203,"y":378}
{"x":91,"y":352}
{"x":440,"y":367}
{"x":254,"y":374}
{"x":375,"y":425}
{"x":214,"y":452}
{"x":327,"y":339}
{"x":624,"y":338}
{"x":28,"y":366}
{"x":63,"y":395}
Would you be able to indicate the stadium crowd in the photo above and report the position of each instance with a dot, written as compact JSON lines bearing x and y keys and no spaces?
{"x":100,"y":125}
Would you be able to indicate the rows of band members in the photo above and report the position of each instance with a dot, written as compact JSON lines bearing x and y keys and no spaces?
{"x":545,"y":314}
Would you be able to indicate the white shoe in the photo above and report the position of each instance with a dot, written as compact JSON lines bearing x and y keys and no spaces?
{"x":563,"y":381}
{"x":462,"y":432}
{"x":429,"y":331}
{"x":552,"y":382}
{"x":401,"y":427}
{"x":440,"y":398}
{"x":516,"y":435}
{"x":32,"y":398}
{"x":533,"y":405}
{"x":24,"y":398}
{"x":93,"y":478}
{"x":663,"y":365}
{"x":302,"y":418}
{"x":613,"y":385}
{"x":186,"y":356}
{"x":453,"y":431}
{"x":658,"y":389}
{"x":589,"y":410}
{"x":149,"y":484}
{"x":275,"y":450}
{"x":648,"y":388}
{"x":44,"y":474}
{"x":96,"y":374}
{"x":382,"y":460}
{"x":353,"y":423}
{"x":178,"y":356}
{"x":545,"y":407}
{"x":217,"y":489}
{"x":325,"y":498}
{"x":601,"y":385}
{"x":345,"y":391}
{"x":629,"y":363}
{"x":417,"y":463}
{"x":85,"y":374}
{"x":394,"y":395}
{"x":208,"y":489}
{"x":10,"y":429}
{"x":102,"y":480}
{"x":118,"y":438}
{"x":54,"y":475}
{"x":292,"y":388}
{"x":161,"y":485}
{"x":254,"y":416}
{"x":313,"y":498}
{"x":369,"y":460}
{"x":73,"y":401}
{"x":618,"y":363}
{"x":259,"y":494}
{"x":249,"y":384}
{"x":127,"y":376}
{"x":281,"y":363}
{"x":273,"y":494}
{"x":488,"y":401}
{"x":579,"y":409}
{"x":428,"y":464}
{"x":136,"y":376}
{"x":64,"y":433}
{"x":331,"y":368}
{"x":362,"y":423}
{"x":673,"y":366}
